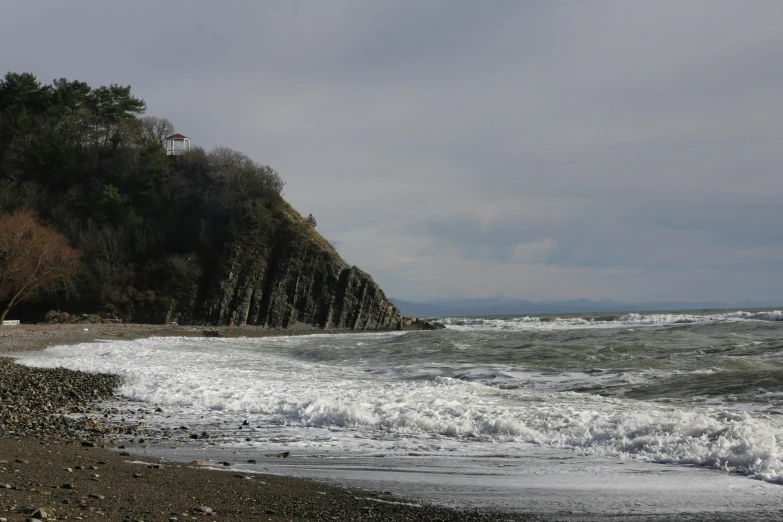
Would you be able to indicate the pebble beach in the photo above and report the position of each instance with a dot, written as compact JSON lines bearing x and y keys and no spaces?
{"x":57,"y":461}
{"x":61,"y":458}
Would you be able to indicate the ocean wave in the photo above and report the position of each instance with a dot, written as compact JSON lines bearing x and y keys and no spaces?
{"x":618,"y":321}
{"x":272,"y":389}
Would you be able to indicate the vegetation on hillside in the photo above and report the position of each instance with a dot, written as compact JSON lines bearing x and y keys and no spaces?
{"x":34,"y":261}
{"x":91,"y":167}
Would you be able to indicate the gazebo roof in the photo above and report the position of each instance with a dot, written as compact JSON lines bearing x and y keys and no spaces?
{"x":177,"y":137}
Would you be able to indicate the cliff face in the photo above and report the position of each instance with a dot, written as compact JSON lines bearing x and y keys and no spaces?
{"x":282,"y":272}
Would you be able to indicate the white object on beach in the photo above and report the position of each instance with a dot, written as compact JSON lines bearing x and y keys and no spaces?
{"x":11,"y":323}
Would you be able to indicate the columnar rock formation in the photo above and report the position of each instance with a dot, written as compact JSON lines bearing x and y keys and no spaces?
{"x":277,"y":278}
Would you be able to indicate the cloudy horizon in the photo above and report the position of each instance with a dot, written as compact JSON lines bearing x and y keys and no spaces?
{"x":452,"y":148}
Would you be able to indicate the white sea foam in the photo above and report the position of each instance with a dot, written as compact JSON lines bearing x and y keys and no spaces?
{"x":624,"y":321}
{"x":321,"y":404}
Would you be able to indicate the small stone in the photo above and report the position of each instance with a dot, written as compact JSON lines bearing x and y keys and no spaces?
{"x":283,"y":455}
{"x":95,"y":495}
{"x":41,"y":514}
{"x":124,"y":454}
{"x":21,"y":461}
{"x":226,"y":463}
{"x":271,"y":512}
{"x":67,"y":485}
{"x":201,"y":509}
{"x":137,"y":475}
{"x":88,"y":444}
{"x":5,"y":486}
{"x":251,"y":461}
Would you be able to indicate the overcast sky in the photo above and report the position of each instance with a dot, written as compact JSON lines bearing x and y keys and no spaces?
{"x":535,"y":149}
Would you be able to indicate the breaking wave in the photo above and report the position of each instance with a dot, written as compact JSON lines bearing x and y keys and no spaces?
{"x":618,"y":321}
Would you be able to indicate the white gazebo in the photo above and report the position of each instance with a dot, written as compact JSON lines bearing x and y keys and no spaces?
{"x":177,"y":144}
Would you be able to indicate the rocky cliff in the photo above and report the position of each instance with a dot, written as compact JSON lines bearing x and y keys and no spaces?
{"x":282,"y":272}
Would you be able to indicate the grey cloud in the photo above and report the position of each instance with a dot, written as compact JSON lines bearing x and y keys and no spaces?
{"x":626,"y":230}
{"x":635,"y":142}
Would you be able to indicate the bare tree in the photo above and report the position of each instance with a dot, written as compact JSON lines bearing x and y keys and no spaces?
{"x":34,"y":260}
{"x":243,"y":176}
{"x":150,"y":130}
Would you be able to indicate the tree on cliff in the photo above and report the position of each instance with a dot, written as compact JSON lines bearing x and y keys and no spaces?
{"x":150,"y":130}
{"x":34,"y":260}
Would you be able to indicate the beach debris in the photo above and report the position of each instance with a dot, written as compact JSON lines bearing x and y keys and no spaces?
{"x":283,"y":455}
{"x":37,"y":513}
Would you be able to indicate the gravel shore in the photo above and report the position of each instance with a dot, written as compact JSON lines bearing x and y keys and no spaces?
{"x":37,"y":337}
{"x":56,"y":459}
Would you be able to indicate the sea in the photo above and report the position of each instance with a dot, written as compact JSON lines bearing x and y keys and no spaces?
{"x":649,"y":413}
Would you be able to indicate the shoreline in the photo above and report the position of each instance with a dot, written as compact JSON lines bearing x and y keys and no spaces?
{"x":40,"y":454}
{"x":30,"y":337}
{"x":64,"y":465}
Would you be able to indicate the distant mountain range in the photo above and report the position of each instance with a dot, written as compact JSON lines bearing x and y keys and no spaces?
{"x":508,"y":306}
